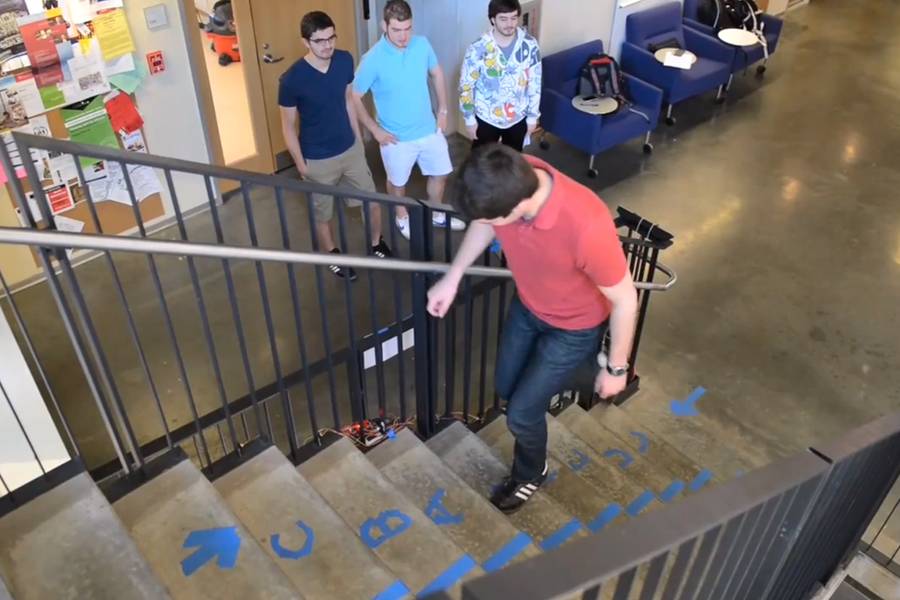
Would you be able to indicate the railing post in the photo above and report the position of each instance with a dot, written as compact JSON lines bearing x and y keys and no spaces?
{"x":420,"y":251}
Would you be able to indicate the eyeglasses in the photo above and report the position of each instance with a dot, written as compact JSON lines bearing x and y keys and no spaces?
{"x":323,"y":41}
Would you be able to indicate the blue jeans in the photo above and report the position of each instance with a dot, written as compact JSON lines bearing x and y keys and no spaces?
{"x":535,"y":362}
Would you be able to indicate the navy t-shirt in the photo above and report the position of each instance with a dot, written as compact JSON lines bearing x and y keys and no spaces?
{"x":322,"y":102}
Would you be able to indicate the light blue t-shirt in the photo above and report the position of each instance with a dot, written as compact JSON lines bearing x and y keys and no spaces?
{"x":399,"y":83}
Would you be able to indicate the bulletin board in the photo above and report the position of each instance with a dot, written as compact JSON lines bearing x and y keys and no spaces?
{"x":70,"y":72}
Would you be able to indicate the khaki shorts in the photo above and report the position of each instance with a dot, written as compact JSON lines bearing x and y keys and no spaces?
{"x":347,"y":169}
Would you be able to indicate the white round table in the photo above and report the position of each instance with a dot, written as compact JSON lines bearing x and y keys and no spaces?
{"x":738,"y":37}
{"x":595,"y":106}
{"x":663,"y":53}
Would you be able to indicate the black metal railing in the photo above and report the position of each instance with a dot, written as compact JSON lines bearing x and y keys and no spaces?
{"x":776,"y":533}
{"x":210,"y":350}
{"x":881,"y":541}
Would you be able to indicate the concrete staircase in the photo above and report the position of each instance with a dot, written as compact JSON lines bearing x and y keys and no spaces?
{"x":406,"y":519}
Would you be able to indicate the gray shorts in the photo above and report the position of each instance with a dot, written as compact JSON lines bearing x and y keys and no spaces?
{"x":347,"y":169}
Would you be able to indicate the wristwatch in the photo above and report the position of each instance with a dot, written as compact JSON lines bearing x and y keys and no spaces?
{"x":615,"y":371}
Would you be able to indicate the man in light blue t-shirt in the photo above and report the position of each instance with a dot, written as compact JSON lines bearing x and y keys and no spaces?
{"x":396,"y":70}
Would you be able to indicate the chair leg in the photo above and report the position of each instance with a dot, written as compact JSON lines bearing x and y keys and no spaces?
{"x":670,"y":120}
{"x":592,"y":172}
{"x":720,"y":95}
{"x":730,"y":81}
{"x":762,"y":68}
{"x":648,"y":147}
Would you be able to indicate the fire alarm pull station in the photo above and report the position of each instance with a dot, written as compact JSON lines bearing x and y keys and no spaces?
{"x":155,"y":62}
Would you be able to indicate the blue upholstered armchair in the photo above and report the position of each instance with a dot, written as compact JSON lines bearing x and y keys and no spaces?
{"x":662,"y":23}
{"x":744,"y":57}
{"x":593,"y":133}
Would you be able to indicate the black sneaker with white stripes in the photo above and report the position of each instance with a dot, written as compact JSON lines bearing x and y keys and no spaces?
{"x":342,"y":272}
{"x":513,"y":494}
{"x":382,"y":250}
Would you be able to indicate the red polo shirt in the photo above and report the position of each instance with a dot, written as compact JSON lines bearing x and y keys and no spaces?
{"x":560,"y":258}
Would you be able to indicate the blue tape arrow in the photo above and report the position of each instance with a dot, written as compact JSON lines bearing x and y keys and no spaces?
{"x":687,"y":407}
{"x":626,"y":459}
{"x":396,"y":591}
{"x":223,"y":544}
{"x":643,"y":441}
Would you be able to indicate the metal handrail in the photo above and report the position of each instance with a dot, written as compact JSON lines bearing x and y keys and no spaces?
{"x":88,"y":241}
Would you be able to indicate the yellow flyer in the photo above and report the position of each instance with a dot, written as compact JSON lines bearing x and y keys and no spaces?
{"x":113,"y":34}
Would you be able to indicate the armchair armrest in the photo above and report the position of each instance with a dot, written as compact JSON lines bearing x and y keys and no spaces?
{"x":702,"y":27}
{"x":773,"y":24}
{"x":560,"y":118}
{"x":644,"y":94}
{"x":642,"y":64}
{"x":707,"y":46}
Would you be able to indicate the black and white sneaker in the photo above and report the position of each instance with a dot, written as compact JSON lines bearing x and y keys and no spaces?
{"x":342,"y":272}
{"x":513,"y":494}
{"x":382,"y":250}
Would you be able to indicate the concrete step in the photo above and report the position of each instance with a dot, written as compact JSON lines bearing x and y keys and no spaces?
{"x":716,"y":440}
{"x":474,"y":462}
{"x":194,"y":543}
{"x":655,"y":449}
{"x":299,"y":531}
{"x":465,"y":516}
{"x":69,"y":543}
{"x":848,"y":592}
{"x":872,"y":578}
{"x":593,"y":506}
{"x":4,"y":593}
{"x":882,"y":539}
{"x":615,"y":450}
{"x":399,"y":533}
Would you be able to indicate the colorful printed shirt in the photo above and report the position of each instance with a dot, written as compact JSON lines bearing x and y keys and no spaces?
{"x":499,"y":91}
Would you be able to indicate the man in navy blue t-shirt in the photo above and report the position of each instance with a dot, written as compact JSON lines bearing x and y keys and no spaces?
{"x":316,"y":92}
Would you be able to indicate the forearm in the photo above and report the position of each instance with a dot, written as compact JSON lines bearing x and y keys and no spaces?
{"x":293,"y":145}
{"x":477,"y":239}
{"x":440,"y":89}
{"x":354,"y":118}
{"x":621,"y":330}
{"x":363,"y":115}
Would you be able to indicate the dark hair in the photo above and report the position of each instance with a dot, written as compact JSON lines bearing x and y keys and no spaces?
{"x":492,"y":182}
{"x":397,"y":10}
{"x":313,"y":22}
{"x":498,"y":7}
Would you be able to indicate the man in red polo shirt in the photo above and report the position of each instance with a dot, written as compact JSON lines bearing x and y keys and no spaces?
{"x":571,"y":278}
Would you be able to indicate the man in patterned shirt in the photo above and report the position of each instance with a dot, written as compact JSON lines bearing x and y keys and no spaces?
{"x":500,"y":86}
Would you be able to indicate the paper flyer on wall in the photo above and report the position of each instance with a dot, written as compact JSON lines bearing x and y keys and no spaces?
{"x":59,"y":199}
{"x":112,"y":31}
{"x":107,"y":182}
{"x":18,"y":102}
{"x":10,"y":38}
{"x":77,"y":12}
{"x":89,"y":124}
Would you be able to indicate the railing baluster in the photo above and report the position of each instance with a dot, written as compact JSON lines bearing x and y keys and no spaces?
{"x":22,"y":428}
{"x":373,"y":315}
{"x":293,"y":442}
{"x":39,"y":365}
{"x":398,"y":317}
{"x":501,"y":315}
{"x":298,"y":319}
{"x":654,"y":576}
{"x":467,"y":345}
{"x":6,"y":489}
{"x":485,"y":315}
{"x":359,"y":393}
{"x":676,"y":575}
{"x":624,"y":583}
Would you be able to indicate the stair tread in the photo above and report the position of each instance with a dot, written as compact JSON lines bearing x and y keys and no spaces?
{"x":164,"y":512}
{"x":475,"y":463}
{"x":465,"y":516}
{"x":576,"y":495}
{"x":658,"y":450}
{"x":69,"y":543}
{"x":361,"y":495}
{"x":270,"y":497}
{"x":884,"y":511}
{"x":4,"y":593}
{"x":611,"y":447}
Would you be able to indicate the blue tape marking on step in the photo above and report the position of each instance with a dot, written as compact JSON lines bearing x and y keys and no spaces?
{"x":448,"y":578}
{"x":702,"y":478}
{"x":507,"y":553}
{"x":687,"y":407}
{"x":305,"y":550}
{"x":671,"y":492}
{"x":562,"y":535}
{"x":640,"y":503}
{"x":438,"y":513}
{"x":375,"y":532}
{"x":582,"y":461}
{"x":606,"y":516}
{"x":625,"y":459}
{"x":222,"y":544}
{"x":643,"y":441}
{"x":396,"y":591}
{"x":551,"y":477}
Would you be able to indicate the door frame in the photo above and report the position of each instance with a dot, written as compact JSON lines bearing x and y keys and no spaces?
{"x":195,"y":40}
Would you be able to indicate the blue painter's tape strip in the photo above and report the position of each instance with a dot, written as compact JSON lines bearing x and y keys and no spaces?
{"x":606,"y":516}
{"x":671,"y":492}
{"x":702,"y":478}
{"x":562,"y":535}
{"x":396,"y":591}
{"x":507,"y":553}
{"x":448,"y":578}
{"x":640,"y":503}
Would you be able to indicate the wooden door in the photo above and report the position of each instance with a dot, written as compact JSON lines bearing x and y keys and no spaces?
{"x":276,"y":29}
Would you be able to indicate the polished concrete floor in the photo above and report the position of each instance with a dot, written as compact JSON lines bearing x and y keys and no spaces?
{"x":787,"y":247}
